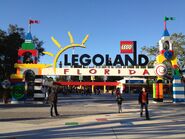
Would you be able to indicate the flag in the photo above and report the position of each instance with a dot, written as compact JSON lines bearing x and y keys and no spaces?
{"x":33,"y":21}
{"x":169,"y":18}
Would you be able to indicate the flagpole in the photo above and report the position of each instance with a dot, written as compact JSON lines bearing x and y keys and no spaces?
{"x":29,"y":26}
{"x":164,"y":24}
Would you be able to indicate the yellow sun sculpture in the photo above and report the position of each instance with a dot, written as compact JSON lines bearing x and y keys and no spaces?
{"x":71,"y":45}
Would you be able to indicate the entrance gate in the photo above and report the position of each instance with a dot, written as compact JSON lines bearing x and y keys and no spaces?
{"x":28,"y":56}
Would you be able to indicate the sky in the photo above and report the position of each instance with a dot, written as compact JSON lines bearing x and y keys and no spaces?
{"x":106,"y":21}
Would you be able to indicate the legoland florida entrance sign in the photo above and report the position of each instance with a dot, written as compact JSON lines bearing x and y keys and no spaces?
{"x":98,"y":60}
{"x":117,"y":66}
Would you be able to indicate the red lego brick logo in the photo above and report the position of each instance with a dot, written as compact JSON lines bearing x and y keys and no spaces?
{"x":126,"y":46}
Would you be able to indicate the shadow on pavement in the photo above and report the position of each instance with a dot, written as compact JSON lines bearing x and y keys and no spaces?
{"x":22,"y":119}
{"x":107,"y":130}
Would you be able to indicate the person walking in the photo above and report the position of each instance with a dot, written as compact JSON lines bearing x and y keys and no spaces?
{"x":112,"y":92}
{"x":52,"y":98}
{"x":143,"y":101}
{"x":119,"y":100}
{"x":99,"y":91}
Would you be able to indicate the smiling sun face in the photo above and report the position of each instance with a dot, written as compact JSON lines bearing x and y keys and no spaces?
{"x":61,"y":50}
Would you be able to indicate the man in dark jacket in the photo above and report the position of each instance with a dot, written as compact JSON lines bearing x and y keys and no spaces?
{"x":52,"y":98}
{"x":143,"y":101}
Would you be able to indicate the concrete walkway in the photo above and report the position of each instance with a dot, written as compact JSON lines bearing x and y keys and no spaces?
{"x":92,"y":117}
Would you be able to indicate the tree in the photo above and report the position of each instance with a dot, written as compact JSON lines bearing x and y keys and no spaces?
{"x":178,"y":47}
{"x":151,"y":52}
{"x":10,"y":42}
{"x":39,"y":47}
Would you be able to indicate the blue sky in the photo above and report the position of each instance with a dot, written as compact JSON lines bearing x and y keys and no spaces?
{"x":106,"y":21}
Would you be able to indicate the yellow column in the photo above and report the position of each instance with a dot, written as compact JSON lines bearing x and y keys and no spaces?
{"x":92,"y":78}
{"x":104,"y":89}
{"x":92,"y":88}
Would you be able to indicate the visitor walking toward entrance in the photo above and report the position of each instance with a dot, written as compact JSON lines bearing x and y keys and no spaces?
{"x":119,"y":100}
{"x":99,"y":91}
{"x":143,"y":101}
{"x":52,"y":98}
{"x":112,"y":92}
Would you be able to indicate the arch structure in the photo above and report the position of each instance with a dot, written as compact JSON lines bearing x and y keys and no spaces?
{"x":28,"y":60}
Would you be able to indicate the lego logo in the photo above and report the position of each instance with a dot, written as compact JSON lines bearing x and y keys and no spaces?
{"x":126,"y":47}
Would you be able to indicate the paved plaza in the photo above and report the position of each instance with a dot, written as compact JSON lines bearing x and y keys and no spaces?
{"x":92,"y":117}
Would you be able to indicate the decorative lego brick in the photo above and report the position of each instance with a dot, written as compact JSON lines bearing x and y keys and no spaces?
{"x":28,"y":46}
{"x":178,"y":88}
{"x":178,"y":95}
